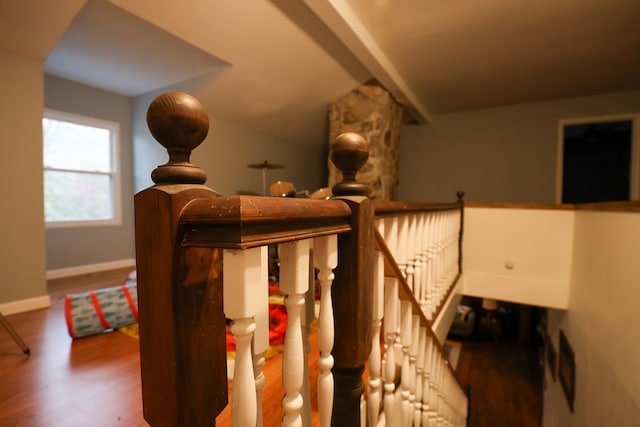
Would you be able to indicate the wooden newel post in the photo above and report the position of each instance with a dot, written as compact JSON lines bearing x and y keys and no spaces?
{"x":182,"y":325}
{"x":352,"y":291}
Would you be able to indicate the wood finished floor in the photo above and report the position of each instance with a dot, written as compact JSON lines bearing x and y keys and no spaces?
{"x":506,"y":384}
{"x":95,"y":381}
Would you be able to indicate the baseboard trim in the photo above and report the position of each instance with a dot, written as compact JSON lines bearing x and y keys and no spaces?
{"x":61,"y":273}
{"x":27,"y":304}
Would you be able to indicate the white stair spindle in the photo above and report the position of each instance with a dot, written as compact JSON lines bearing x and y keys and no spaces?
{"x":417,"y":407}
{"x":426,"y":390}
{"x":405,"y":384}
{"x":413,"y":358}
{"x":430,"y":266}
{"x":390,"y":328}
{"x":308,"y":315}
{"x":375,"y":382}
{"x":261,"y":335}
{"x":243,"y":400}
{"x":258,"y":365}
{"x":294,"y":267}
{"x":325,"y":259}
{"x":419,"y":276}
{"x":245,"y":289}
{"x":401,"y":255}
{"x":411,"y":251}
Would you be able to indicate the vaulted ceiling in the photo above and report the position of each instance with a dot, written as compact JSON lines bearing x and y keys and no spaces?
{"x":275,"y":65}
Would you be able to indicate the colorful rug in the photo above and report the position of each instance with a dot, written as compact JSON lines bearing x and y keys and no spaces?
{"x":277,"y":326}
{"x":277,"y":329}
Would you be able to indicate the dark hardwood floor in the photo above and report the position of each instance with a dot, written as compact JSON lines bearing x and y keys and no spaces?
{"x":506,"y":383}
{"x":95,"y":381}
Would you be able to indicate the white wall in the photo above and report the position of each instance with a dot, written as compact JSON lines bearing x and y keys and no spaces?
{"x":505,"y":154}
{"x":602,"y":325}
{"x":79,"y":246}
{"x":22,"y":255}
{"x":518,"y":255}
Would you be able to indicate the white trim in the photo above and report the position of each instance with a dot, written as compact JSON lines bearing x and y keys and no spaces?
{"x":635,"y":148}
{"x":23,"y":305}
{"x":90,"y":268}
{"x":114,"y":173}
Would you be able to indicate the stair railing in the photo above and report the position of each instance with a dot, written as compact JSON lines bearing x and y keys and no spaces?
{"x":417,"y":266}
{"x":194,"y":246}
{"x":202,"y":259}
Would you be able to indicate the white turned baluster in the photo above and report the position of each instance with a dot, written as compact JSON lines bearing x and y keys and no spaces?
{"x":401,"y":244}
{"x":405,"y":322}
{"x":436,"y":386}
{"x":419,"y":275}
{"x":449,"y":251}
{"x":405,"y":383}
{"x":245,"y":288}
{"x":417,"y":406}
{"x":430,"y":254}
{"x":258,"y":365}
{"x":390,"y":334}
{"x":444,"y":247}
{"x":455,"y":237}
{"x":451,"y":248}
{"x":294,"y":265}
{"x":389,"y":228}
{"x":425,"y":381}
{"x":413,"y":357}
{"x":440,"y":257}
{"x":326,"y":259}
{"x":261,"y":335}
{"x":441,"y":396}
{"x":243,"y":400}
{"x":375,"y":383}
{"x":411,"y":251}
{"x":436,"y":262}
{"x":433,"y":390}
{"x":308,"y":315}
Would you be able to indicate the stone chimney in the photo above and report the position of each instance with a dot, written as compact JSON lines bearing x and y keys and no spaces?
{"x":372,"y":112}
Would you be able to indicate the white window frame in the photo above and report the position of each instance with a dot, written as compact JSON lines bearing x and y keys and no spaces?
{"x":634,"y":118}
{"x":114,"y":130}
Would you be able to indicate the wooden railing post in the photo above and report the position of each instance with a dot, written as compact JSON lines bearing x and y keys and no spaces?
{"x":352,"y":291}
{"x":182,"y":325}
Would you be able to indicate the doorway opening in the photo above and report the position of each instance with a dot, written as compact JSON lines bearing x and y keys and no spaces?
{"x":598,"y":160}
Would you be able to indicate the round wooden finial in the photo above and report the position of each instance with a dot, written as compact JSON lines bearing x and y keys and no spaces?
{"x":349,"y":152}
{"x":180,"y":123}
{"x":460,"y":196}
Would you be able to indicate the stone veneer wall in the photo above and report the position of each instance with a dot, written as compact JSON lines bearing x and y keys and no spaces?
{"x":372,"y":112}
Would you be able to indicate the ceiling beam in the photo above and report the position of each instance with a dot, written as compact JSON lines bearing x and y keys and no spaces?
{"x":338,"y":16}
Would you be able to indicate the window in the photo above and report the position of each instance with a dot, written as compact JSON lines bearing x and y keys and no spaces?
{"x":81,"y":178}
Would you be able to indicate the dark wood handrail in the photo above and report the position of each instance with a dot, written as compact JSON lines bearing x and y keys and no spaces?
{"x":625,"y":206}
{"x":621,"y":206}
{"x":394,"y":208}
{"x":241,"y":222}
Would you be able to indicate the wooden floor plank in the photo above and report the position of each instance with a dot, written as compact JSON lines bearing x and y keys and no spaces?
{"x":506,"y":382}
